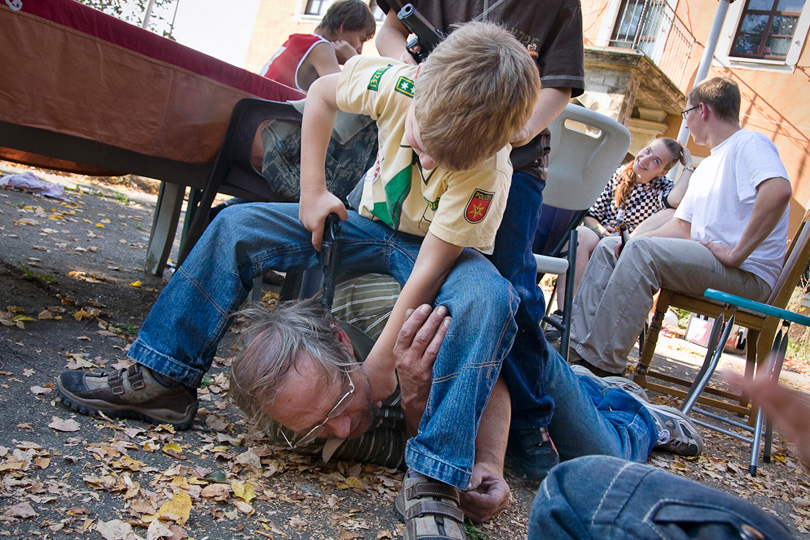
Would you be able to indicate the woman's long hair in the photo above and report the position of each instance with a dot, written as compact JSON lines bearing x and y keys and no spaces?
{"x":628,"y":178}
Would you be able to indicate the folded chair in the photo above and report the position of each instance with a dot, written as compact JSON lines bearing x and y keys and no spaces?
{"x":761,"y":327}
{"x":586,"y":147}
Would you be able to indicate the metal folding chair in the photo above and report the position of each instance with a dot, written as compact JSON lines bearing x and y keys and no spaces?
{"x":772,"y":367}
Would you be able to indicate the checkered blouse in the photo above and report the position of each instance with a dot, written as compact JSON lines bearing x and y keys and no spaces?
{"x":644,"y":201}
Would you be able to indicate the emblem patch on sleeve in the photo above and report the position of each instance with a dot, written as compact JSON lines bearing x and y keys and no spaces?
{"x":404,"y":86}
{"x":477,"y":207}
{"x":374,"y":82}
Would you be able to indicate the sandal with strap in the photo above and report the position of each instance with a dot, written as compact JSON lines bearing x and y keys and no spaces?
{"x":430,"y":509}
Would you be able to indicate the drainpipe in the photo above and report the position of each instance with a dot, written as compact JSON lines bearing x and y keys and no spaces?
{"x":705,"y":64}
{"x":147,"y":16}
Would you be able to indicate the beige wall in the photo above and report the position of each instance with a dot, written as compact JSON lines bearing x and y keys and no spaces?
{"x":275,"y":21}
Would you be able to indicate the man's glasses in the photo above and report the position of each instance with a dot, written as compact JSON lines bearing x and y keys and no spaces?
{"x":686,"y":111}
{"x":339,"y":408}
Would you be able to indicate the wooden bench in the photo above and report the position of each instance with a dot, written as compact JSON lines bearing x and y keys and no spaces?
{"x":85,"y":92}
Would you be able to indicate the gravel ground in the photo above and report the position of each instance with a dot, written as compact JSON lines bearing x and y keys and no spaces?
{"x":74,"y":294}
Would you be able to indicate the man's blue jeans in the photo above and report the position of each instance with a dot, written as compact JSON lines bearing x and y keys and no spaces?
{"x":523,"y":368}
{"x":181,"y":333}
{"x":605,"y":498}
{"x":592,"y":418}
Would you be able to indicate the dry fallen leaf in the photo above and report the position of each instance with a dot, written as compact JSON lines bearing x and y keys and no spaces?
{"x":115,"y":530}
{"x":22,"y":510}
{"x":177,"y":509}
{"x":157,"y":530}
{"x":64,"y":425}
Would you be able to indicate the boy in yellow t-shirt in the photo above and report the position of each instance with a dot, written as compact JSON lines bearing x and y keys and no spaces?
{"x":442,"y":173}
{"x":439,"y":186}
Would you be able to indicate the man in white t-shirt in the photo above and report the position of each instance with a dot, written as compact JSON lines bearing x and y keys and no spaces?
{"x":729,"y":233}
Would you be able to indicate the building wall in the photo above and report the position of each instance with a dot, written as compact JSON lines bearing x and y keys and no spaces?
{"x":774,"y":102}
{"x":275,"y":20}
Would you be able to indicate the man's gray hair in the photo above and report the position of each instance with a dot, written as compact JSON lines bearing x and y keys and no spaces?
{"x":273,"y":344}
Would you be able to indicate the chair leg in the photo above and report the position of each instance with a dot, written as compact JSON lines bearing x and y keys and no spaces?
{"x":568,"y":301}
{"x":651,"y":339}
{"x":774,"y":367}
{"x":708,"y":367}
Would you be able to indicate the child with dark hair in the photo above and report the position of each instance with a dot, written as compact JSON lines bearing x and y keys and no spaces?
{"x":347,"y":25}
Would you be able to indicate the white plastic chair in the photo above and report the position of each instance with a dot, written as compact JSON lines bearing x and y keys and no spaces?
{"x":586,"y":147}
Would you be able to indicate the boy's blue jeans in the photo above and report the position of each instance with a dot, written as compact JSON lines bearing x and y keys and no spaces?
{"x":523,"y":368}
{"x":181,"y":333}
{"x":605,"y":498}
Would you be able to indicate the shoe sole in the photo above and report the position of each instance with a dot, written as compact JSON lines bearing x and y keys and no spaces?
{"x":111,"y":411}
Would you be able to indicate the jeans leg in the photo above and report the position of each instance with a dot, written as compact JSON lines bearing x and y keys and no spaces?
{"x":608,"y":498}
{"x":523,"y":367}
{"x":591,"y":419}
{"x":482,"y":305}
{"x":181,"y":332}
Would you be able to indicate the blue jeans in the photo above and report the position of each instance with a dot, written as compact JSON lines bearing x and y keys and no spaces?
{"x":591,"y":418}
{"x":523,"y":368}
{"x":605,"y":498}
{"x":181,"y":333}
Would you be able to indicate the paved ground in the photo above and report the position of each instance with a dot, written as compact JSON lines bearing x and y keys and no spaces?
{"x":74,"y":294}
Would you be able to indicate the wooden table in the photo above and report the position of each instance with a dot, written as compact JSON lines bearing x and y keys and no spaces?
{"x":85,"y":92}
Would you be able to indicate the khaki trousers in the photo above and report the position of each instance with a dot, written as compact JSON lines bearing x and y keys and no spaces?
{"x":615,"y":296}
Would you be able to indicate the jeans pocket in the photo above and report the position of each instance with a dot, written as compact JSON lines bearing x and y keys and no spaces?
{"x":682,"y":520}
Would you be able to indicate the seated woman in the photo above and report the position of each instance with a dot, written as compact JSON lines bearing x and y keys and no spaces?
{"x":636,"y":191}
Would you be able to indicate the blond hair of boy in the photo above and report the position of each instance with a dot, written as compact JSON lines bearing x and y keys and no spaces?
{"x":473,"y":93}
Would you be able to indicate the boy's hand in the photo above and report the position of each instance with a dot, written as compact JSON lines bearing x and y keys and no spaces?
{"x":343,"y":51}
{"x":312,"y":212}
{"x":381,"y":379}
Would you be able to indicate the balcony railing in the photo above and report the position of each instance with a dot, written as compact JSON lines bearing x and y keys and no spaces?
{"x":652,"y":27}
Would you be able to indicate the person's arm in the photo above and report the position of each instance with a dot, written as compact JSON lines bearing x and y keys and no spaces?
{"x":674,"y":228}
{"x":675,"y":196}
{"x":593,"y":223}
{"x":316,"y":130}
{"x":417,"y":346}
{"x":550,"y":103}
{"x":488,"y":493}
{"x":773,"y":196}
{"x":435,"y":260}
{"x":392,"y":37}
{"x":787,"y":408}
{"x":323,"y":59}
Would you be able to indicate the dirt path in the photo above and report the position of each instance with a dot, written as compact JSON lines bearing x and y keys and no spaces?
{"x":74,"y":295}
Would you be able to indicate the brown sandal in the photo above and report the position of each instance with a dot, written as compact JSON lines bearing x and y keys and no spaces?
{"x":430,"y":509}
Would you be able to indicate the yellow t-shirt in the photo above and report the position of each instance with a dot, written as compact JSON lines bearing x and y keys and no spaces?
{"x":462,"y":208}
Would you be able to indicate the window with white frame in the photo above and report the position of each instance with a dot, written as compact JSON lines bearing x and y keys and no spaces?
{"x":764,"y":34}
{"x":317,"y":9}
{"x":766,"y":28}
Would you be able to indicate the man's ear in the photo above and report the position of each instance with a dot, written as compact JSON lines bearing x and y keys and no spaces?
{"x":343,"y":339}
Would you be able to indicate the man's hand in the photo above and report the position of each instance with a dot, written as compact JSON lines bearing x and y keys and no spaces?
{"x":487,"y":494}
{"x":415,"y":351}
{"x":312,"y":212}
{"x":723,"y":253}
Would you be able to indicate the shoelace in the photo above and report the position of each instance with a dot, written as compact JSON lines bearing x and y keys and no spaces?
{"x":664,"y":436}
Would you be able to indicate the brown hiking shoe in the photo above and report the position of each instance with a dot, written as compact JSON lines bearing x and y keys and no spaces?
{"x":128,"y":393}
{"x":429,"y":508}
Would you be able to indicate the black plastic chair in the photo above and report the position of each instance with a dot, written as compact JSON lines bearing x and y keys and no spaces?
{"x":233,"y":172}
